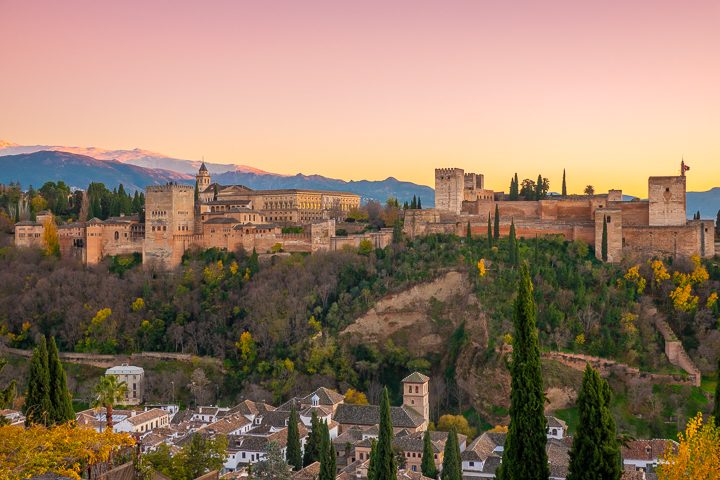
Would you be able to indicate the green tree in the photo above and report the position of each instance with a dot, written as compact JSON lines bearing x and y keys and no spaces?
{"x":525,"y":457}
{"x":468,"y":233}
{"x":589,"y":190}
{"x":604,"y":245}
{"x":539,"y":188}
{"x":564,"y":185}
{"x":273,"y":467}
{"x":201,"y":455}
{"x":294,"y":452}
{"x":327,"y":456}
{"x":38,"y":407}
{"x":7,"y":394}
{"x":312,"y":445}
{"x":373,"y":460}
{"x":385,"y":467}
{"x":419,"y":206}
{"x":595,"y":451}
{"x":513,"y":246}
{"x":489,"y":232}
{"x":496,"y":230}
{"x":716,"y":407}
{"x":62,"y":409}
{"x":452,"y":466}
{"x":109,"y":391}
{"x":427,"y":467}
{"x":514,"y":188}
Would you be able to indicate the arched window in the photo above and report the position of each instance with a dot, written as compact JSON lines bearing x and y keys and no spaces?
{"x":117,"y":235}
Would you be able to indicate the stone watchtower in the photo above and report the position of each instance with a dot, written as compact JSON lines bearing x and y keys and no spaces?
{"x":449,"y":189}
{"x":203,"y":178}
{"x":416,"y":394}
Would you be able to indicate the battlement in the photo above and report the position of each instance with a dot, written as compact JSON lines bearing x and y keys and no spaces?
{"x":449,"y":171}
{"x":170,"y":187}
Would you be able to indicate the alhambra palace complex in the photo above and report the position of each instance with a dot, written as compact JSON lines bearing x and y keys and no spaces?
{"x":229,"y":217}
{"x":225,"y":217}
{"x":656,"y":226}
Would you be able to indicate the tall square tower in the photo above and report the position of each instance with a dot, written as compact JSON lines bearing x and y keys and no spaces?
{"x":416,"y":394}
{"x":449,"y":189}
{"x":666,"y":196}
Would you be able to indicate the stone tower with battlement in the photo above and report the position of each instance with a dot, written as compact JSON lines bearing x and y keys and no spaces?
{"x":666,"y":196}
{"x":449,"y":189}
{"x":416,"y":394}
{"x":169,"y":212}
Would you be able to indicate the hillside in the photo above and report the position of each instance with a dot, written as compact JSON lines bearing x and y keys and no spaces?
{"x":707,"y":203}
{"x":341,"y":319}
{"x":79,"y":170}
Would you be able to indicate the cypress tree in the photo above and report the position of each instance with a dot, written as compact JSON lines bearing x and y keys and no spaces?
{"x":564,"y":185}
{"x":373,"y":460}
{"x":327,"y":455}
{"x":468,"y":234}
{"x":38,"y":408}
{"x":293,"y":453}
{"x":413,"y":204}
{"x":62,"y":409}
{"x":489,"y":233}
{"x":312,"y":446}
{"x":716,"y":408}
{"x":525,"y":457}
{"x":427,"y":467}
{"x":512,"y":245}
{"x":538,"y":188}
{"x":496,"y":231}
{"x":215,"y":192}
{"x":595,"y":451}
{"x":604,"y":245}
{"x":452,"y":466}
{"x":419,"y":204}
{"x":385,"y":466}
{"x":516,"y":192}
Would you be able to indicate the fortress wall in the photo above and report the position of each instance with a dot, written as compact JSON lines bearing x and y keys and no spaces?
{"x":520,"y":210}
{"x":680,"y":240}
{"x":633,"y":213}
{"x":566,"y":210}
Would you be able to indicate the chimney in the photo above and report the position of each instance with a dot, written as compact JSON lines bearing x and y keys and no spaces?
{"x":133,"y":413}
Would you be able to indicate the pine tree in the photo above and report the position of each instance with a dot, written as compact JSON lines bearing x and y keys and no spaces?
{"x":385,"y":466}
{"x":62,"y":409}
{"x":716,"y":408}
{"x":38,"y":408}
{"x":489,"y":233}
{"x":595,"y":451}
{"x":312,"y":446}
{"x":496,"y":230}
{"x":468,"y":233}
{"x":452,"y":466}
{"x":327,"y":455}
{"x":294,"y":451}
{"x":525,"y":457}
{"x":512,"y":245}
{"x":604,"y":245}
{"x":427,"y":467}
{"x":564,"y":185}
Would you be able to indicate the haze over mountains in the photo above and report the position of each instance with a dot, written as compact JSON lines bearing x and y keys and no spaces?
{"x":138,"y":168}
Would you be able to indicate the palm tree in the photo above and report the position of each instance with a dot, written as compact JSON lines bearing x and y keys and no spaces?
{"x":108,"y":392}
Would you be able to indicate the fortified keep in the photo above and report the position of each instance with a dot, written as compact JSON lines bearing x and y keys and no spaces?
{"x":657,"y":226}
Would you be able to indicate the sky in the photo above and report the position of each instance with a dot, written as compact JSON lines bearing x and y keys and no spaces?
{"x":611,"y":91}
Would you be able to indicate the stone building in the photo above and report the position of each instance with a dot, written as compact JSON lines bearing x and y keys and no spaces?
{"x":656,"y":226}
{"x":134,"y":378}
{"x":181,"y":217}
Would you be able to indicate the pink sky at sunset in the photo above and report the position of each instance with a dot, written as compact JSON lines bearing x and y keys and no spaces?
{"x":613,"y":91}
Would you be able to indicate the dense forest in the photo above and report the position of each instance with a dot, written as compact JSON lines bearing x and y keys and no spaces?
{"x":274,"y":320}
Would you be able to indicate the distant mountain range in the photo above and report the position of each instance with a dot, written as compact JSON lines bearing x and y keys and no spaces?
{"x":135,"y":169}
{"x":79,"y":170}
{"x":708,"y":203}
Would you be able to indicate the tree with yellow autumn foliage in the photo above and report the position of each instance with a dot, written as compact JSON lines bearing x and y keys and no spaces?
{"x":66,"y":450}
{"x":355,"y":397}
{"x":50,"y":238}
{"x":698,"y":454}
